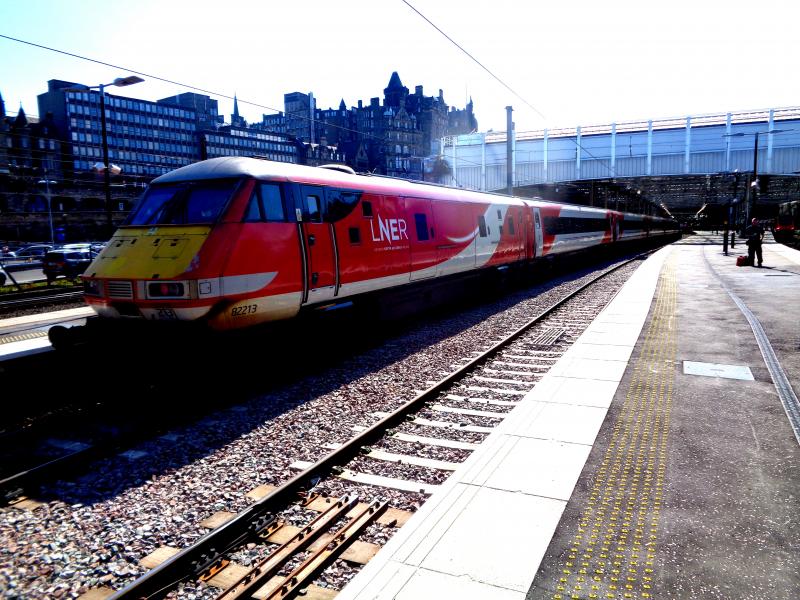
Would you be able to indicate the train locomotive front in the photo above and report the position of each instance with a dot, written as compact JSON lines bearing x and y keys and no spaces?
{"x":205,"y":243}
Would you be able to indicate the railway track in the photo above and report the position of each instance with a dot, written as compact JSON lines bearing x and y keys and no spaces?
{"x":295,"y":531}
{"x":216,"y":452}
{"x":25,"y":300}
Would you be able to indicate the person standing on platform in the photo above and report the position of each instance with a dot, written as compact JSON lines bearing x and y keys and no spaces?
{"x":755,"y":234}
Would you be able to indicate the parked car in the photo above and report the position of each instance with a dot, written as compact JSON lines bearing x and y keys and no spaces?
{"x":33,"y":253}
{"x":69,"y":261}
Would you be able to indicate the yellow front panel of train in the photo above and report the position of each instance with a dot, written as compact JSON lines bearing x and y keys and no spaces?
{"x":145,"y":252}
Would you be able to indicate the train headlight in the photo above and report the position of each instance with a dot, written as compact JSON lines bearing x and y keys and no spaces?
{"x":166,"y":289}
{"x":92,"y":287}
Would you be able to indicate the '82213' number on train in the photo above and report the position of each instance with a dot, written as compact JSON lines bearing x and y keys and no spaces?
{"x":239,"y":311}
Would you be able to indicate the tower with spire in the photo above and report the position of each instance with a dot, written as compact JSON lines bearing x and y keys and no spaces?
{"x":395,"y":93}
{"x":236,"y":120}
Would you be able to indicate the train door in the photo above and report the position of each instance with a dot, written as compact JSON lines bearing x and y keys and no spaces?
{"x":419,"y":215}
{"x":537,"y":231}
{"x":517,"y":228}
{"x":528,"y":238}
{"x":319,"y":243}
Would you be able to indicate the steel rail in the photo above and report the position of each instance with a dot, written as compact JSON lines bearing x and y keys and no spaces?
{"x":192,"y":561}
{"x":40,"y":299}
{"x":269,"y":566}
{"x":14,"y":486}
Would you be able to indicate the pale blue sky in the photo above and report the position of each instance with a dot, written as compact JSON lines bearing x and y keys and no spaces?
{"x":576,"y":62}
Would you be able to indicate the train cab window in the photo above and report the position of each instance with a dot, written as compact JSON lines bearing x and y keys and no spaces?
{"x":265,"y":204}
{"x":482,"y":226}
{"x":271,"y":202}
{"x":253,"y":212}
{"x":421,"y":223}
{"x":313,"y":208}
{"x":366,"y":208}
{"x":511,"y":225}
{"x":183,"y":203}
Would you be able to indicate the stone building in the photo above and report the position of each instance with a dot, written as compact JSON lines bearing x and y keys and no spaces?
{"x":395,"y":136}
{"x":60,"y":158}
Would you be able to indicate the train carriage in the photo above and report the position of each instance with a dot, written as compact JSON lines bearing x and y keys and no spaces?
{"x":787,"y":225}
{"x":234,"y":242}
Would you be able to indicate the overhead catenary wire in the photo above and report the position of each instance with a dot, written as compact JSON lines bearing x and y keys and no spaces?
{"x":572,"y":138}
{"x":504,"y":84}
{"x":475,"y":60}
{"x":185,"y":85}
{"x":227,"y":96}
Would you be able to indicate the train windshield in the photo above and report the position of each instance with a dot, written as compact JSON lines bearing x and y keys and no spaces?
{"x":785,"y":216}
{"x":183,"y":203}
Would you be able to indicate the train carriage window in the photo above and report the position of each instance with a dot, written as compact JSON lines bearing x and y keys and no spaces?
{"x":421,"y":222}
{"x":566,"y":225}
{"x":313,"y":208}
{"x":482,"y":226}
{"x":271,"y":202}
{"x":511,"y":226}
{"x":355,"y":235}
{"x":366,"y":208}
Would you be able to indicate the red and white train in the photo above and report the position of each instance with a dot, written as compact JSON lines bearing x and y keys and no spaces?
{"x":234,"y":242}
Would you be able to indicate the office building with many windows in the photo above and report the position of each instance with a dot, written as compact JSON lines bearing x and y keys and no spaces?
{"x":145,"y":139}
{"x":247,"y":141}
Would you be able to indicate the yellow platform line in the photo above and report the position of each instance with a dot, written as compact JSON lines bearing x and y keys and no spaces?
{"x":21,"y":337}
{"x":613,"y":552}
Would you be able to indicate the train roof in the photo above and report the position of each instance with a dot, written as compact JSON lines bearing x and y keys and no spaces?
{"x":239,"y":166}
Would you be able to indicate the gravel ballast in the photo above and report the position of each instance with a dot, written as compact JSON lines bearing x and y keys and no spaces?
{"x":96,"y":529}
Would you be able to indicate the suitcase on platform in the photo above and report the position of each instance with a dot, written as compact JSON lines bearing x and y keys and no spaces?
{"x":742,"y":261}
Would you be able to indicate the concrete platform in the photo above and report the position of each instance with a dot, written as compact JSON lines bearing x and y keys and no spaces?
{"x":22,"y":336}
{"x":623,"y":475}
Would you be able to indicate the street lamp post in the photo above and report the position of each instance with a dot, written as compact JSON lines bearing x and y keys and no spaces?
{"x":118,"y":82}
{"x":106,"y":165}
{"x":47,"y":181}
{"x":752,"y":189}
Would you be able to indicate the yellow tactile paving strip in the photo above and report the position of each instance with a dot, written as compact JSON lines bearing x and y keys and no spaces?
{"x":612,"y":555}
{"x":21,"y":337}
